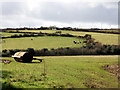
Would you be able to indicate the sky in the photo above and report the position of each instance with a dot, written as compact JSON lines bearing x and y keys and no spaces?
{"x":60,"y":13}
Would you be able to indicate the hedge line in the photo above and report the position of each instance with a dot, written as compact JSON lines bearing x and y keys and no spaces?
{"x":94,"y":50}
{"x":33,"y":34}
{"x":67,"y":28}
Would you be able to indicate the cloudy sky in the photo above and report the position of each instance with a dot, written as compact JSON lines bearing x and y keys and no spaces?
{"x":60,"y":13}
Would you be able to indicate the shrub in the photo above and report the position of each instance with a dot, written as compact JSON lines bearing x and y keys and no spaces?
{"x":11,"y":52}
{"x":87,"y":36}
{"x":31,"y":50}
{"x":4,"y":51}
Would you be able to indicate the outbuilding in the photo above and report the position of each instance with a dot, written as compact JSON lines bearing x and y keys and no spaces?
{"x":23,"y":57}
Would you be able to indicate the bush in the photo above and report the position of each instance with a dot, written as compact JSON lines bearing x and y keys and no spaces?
{"x":31,"y":50}
{"x":11,"y":52}
{"x":4,"y":51}
{"x":87,"y":36}
{"x":58,"y":32}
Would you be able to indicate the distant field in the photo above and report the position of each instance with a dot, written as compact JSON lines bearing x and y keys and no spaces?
{"x":114,"y":30}
{"x":4,"y":34}
{"x":61,"y":71}
{"x":40,"y":42}
{"x":101,"y":37}
{"x":44,"y":31}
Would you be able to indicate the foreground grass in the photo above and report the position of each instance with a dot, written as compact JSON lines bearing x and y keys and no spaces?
{"x":61,"y":72}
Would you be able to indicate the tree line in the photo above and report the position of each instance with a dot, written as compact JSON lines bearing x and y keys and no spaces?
{"x":36,"y":34}
{"x":113,"y":31}
{"x":68,"y":51}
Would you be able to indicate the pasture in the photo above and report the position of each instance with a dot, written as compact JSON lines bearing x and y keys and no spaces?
{"x":40,"y":42}
{"x":101,"y":37}
{"x":104,"y":38}
{"x":61,"y":72}
{"x":44,"y":31}
{"x":4,"y":34}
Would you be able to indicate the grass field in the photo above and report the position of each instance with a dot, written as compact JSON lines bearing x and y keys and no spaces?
{"x":113,"y":30}
{"x":40,"y":42}
{"x":61,"y":71}
{"x":4,"y":34}
{"x":101,"y":37}
{"x":44,"y":31}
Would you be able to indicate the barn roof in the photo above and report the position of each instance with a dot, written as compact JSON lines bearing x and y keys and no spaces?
{"x":18,"y":54}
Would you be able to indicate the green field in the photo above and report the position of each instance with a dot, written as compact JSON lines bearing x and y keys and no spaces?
{"x":4,"y":34}
{"x":40,"y":42}
{"x":113,"y":30}
{"x":61,"y":71}
{"x":44,"y":31}
{"x":101,"y":37}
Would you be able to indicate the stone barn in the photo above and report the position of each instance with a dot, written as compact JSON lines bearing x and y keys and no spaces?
{"x":23,"y":57}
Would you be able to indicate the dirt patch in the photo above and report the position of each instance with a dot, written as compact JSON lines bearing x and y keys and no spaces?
{"x":91,"y":85}
{"x":115,"y":68}
{"x":94,"y":83}
{"x":5,"y":61}
{"x":70,"y":84}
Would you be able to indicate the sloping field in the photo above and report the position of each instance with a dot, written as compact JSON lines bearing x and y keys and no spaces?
{"x":101,"y":37}
{"x":40,"y":42}
{"x":4,"y":34}
{"x":104,"y":38}
{"x":61,"y":72}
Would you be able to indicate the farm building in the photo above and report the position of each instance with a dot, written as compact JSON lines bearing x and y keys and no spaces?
{"x":23,"y":57}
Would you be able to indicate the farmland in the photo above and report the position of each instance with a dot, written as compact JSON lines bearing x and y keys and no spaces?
{"x":4,"y":34}
{"x":40,"y":42}
{"x":61,"y":71}
{"x":108,"y":38}
{"x":59,"y":44}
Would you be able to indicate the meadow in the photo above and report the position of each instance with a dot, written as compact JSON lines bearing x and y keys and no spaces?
{"x":60,"y":72}
{"x":108,"y":38}
{"x":40,"y":42}
{"x":4,"y":34}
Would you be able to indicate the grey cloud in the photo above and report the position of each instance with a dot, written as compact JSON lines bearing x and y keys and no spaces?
{"x":60,"y":12}
{"x":77,"y":12}
{"x":13,"y":8}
